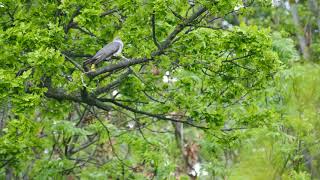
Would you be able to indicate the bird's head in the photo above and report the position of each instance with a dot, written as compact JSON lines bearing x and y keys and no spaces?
{"x":117,"y":38}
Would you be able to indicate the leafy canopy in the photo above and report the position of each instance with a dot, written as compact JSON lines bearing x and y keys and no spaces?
{"x":181,"y":67}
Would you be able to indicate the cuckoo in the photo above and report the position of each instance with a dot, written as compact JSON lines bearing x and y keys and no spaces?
{"x":107,"y":52}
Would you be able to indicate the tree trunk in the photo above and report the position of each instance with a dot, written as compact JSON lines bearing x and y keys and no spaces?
{"x":299,"y":31}
{"x":9,"y":173}
{"x":314,"y":8}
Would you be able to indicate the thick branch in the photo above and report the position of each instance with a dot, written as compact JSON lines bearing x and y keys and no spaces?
{"x":114,"y":67}
{"x":59,"y":94}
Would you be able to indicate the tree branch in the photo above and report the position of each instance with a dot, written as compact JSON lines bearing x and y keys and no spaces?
{"x":238,"y":58}
{"x":112,"y":67}
{"x":153,"y":24}
{"x":84,"y":146}
{"x":74,"y":55}
{"x":167,"y":42}
{"x":112,"y":84}
{"x":176,"y":14}
{"x":71,"y":22}
{"x":230,"y":12}
{"x":85,"y":31}
{"x":111,"y":143}
{"x":108,"y":12}
{"x":158,"y":116}
{"x":164,"y":45}
{"x":78,"y":66}
{"x":59,"y":94}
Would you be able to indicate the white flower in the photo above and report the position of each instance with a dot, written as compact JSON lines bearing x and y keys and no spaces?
{"x":238,"y":7}
{"x":114,"y":93}
{"x":131,"y":124}
{"x":165,"y":79}
{"x":46,"y":151}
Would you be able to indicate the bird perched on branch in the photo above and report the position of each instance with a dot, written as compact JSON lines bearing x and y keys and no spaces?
{"x":106,"y":53}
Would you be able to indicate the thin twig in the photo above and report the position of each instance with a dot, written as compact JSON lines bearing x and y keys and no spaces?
{"x":110,"y":142}
{"x":112,"y":84}
{"x":78,"y":66}
{"x":71,"y":22}
{"x":108,"y":12}
{"x":158,"y":116}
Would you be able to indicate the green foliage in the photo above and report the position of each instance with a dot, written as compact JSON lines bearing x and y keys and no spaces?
{"x":284,"y":48}
{"x":204,"y":93}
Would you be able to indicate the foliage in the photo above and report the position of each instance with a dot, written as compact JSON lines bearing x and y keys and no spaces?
{"x":190,"y":96}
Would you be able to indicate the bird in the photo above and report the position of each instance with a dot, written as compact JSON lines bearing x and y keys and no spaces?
{"x":106,"y":53}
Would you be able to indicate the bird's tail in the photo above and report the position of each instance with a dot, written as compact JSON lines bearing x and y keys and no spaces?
{"x":97,"y":61}
{"x":88,"y":61}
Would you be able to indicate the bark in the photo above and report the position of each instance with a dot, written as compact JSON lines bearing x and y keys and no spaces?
{"x":315,"y":10}
{"x":308,"y":162}
{"x":189,"y":152}
{"x":300,"y":35}
{"x":9,"y":173}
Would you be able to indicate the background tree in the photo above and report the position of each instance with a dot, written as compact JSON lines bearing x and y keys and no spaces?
{"x":292,"y":136}
{"x":177,"y":105}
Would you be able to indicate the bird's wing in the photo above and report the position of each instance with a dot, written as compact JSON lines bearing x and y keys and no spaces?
{"x":107,"y":51}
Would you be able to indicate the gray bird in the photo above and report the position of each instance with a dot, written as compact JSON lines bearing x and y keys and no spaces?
{"x":112,"y":49}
